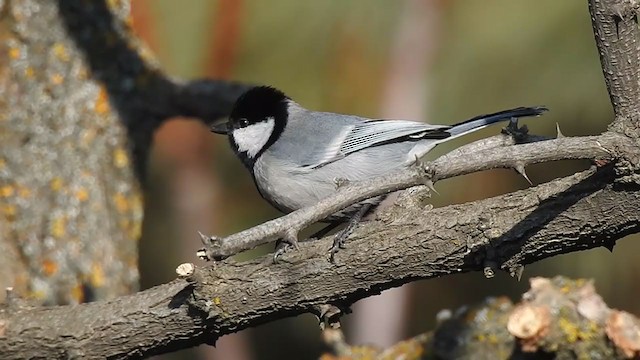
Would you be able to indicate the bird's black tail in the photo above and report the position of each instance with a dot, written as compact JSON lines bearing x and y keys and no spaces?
{"x":482,"y":121}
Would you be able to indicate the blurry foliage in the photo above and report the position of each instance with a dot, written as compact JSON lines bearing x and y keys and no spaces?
{"x":331,"y":55}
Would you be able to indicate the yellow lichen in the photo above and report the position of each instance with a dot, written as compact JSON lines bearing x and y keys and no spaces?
{"x":29,"y":72}
{"x":6,"y":191}
{"x":56,"y":184}
{"x":217,"y":301}
{"x":59,"y":227}
{"x":9,"y":210}
{"x":60,"y":51}
{"x":120,"y":158}
{"x":570,"y":329}
{"x":97,"y":275}
{"x":3,"y":163}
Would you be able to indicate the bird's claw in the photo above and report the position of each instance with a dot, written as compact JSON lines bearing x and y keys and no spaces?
{"x":281,"y":248}
{"x":338,"y":243}
{"x":285,"y":245}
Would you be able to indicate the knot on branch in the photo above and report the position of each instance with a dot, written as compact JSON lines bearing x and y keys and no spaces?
{"x":211,"y":249}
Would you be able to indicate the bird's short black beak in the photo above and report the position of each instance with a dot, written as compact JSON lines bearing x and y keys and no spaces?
{"x":221,"y":128}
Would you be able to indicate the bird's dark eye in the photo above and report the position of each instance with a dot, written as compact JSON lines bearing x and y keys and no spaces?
{"x":244,"y":122}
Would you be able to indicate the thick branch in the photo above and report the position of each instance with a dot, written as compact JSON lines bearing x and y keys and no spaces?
{"x":607,"y":146}
{"x":406,"y":243}
{"x":615,"y":26}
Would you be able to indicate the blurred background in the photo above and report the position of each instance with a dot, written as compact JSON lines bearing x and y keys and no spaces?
{"x":432,"y":60}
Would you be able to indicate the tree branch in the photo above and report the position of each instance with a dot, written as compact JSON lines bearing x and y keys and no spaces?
{"x":468,"y":159}
{"x":406,"y":242}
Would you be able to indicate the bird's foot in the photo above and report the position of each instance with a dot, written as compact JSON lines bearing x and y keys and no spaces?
{"x":283,"y":246}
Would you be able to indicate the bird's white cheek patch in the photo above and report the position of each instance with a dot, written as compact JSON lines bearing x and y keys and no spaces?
{"x":253,"y":138}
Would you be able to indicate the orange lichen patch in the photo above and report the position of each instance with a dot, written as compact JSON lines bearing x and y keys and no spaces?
{"x":14,"y":53}
{"x":29,"y":72}
{"x":97,"y":277}
{"x":101,"y":105}
{"x":82,"y":194}
{"x":49,"y":267}
{"x":60,"y":51}
{"x":57,"y":79}
{"x":56,"y":184}
{"x":121,"y":202}
{"x":624,"y":330}
{"x":120,"y":158}
{"x":77,"y":293}
{"x":6,"y":191}
{"x":3,"y":163}
{"x":58,"y":227}
{"x":530,"y":324}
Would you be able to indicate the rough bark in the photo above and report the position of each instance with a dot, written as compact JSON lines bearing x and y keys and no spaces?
{"x":409,"y":241}
{"x":79,"y":101}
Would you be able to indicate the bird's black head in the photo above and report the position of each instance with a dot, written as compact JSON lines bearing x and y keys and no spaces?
{"x":257,"y":119}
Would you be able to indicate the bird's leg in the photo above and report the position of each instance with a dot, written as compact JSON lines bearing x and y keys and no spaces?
{"x":325,"y":230}
{"x":283,"y":246}
{"x":338,"y":241}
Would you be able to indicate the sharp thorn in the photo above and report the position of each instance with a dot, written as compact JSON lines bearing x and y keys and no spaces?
{"x":517,"y":271}
{"x":204,"y":238}
{"x":610,"y":245}
{"x":559,"y":133}
{"x":520,"y":169}
{"x":429,"y":184}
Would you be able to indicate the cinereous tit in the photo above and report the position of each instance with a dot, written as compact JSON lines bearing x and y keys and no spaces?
{"x":296,"y":155}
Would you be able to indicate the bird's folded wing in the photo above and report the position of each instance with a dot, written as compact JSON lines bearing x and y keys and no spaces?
{"x":356,"y":137}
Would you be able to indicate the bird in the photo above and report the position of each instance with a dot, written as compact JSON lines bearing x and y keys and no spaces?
{"x":296,"y":155}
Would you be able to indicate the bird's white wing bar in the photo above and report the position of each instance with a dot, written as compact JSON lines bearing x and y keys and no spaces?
{"x":374,"y":132}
